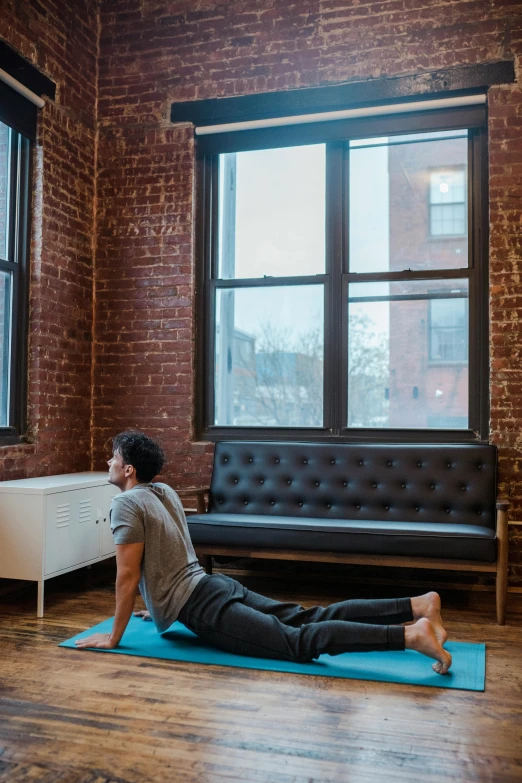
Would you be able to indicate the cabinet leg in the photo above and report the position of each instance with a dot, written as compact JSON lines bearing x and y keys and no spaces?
{"x":40,"y":604}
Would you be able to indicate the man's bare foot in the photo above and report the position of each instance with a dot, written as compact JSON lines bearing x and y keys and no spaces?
{"x":428,"y":606}
{"x":421,"y":637}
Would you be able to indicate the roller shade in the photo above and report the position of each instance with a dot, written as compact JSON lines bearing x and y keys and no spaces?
{"x":21,"y":90}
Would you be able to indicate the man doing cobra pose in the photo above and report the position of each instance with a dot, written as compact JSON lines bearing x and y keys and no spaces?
{"x":154,"y":551}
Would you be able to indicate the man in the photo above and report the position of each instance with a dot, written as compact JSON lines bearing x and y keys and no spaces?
{"x":154,"y":551}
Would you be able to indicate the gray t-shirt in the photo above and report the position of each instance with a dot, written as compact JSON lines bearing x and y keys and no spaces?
{"x":153,"y":514}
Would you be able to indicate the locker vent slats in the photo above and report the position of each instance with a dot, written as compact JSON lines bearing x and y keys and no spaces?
{"x":85,"y":510}
{"x":63,"y":515}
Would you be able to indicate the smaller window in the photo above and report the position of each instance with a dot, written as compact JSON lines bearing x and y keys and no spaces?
{"x":14,"y":161}
{"x":448,"y":203}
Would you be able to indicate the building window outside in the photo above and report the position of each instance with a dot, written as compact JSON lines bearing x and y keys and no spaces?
{"x":14,"y":162}
{"x":448,"y":340}
{"x":448,"y":203}
{"x":341,"y":320}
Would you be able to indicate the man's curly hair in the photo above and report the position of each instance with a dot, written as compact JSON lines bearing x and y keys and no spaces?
{"x":144,"y":454}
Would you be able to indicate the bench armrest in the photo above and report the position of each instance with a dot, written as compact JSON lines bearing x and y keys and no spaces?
{"x":193,"y":492}
{"x":198,"y":493}
{"x":503,"y":504}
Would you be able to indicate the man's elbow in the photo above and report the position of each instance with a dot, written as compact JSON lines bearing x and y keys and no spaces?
{"x":127,"y":578}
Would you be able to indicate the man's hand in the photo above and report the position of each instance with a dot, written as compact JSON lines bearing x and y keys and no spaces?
{"x":99,"y":640}
{"x":143,"y":614}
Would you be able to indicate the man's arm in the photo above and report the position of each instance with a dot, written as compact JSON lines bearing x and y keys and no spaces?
{"x":128,"y":563}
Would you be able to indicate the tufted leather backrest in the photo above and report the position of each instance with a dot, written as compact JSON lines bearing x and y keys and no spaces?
{"x":420,"y":483}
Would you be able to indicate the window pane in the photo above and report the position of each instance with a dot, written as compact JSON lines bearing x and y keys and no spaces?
{"x":407,"y":196}
{"x":269,"y":357}
{"x":4,"y":188}
{"x":408,"y":354}
{"x":5,"y":345}
{"x":272,"y":212}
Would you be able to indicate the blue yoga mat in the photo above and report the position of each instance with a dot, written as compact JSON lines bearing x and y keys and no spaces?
{"x":180,"y":644}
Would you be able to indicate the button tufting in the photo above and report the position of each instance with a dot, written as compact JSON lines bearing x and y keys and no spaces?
{"x":305,"y":462}
{"x":403,"y":486}
{"x":245,"y":502}
{"x":221,"y":500}
{"x":479,"y":513}
{"x":432,"y":486}
{"x":449,"y":464}
{"x":225,"y":459}
{"x":417,"y":508}
{"x":261,"y":481}
{"x":272,"y":502}
{"x":387,"y":508}
{"x":332,"y":462}
{"x":463,"y":487}
{"x":250,"y":459}
{"x":236,"y":480}
{"x":419,"y":464}
{"x":361,"y":462}
{"x":374,"y":485}
{"x":300,"y":503}
{"x":317,"y":483}
{"x":447,"y":510}
{"x":358,"y":506}
{"x":389,"y":463}
{"x":345,"y":483}
{"x":480,"y":466}
{"x":277,"y":461}
{"x":328,"y":505}
{"x":289,"y":481}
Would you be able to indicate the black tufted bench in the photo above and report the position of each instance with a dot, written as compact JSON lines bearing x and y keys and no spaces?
{"x":431,"y":506}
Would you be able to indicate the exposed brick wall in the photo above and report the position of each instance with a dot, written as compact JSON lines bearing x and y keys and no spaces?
{"x":60,"y":38}
{"x":156,"y":51}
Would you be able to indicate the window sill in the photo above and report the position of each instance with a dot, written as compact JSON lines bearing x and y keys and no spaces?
{"x":354,"y":435}
{"x":8,"y":439}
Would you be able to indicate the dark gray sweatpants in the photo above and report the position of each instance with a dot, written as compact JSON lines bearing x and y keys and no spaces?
{"x":227,"y":615}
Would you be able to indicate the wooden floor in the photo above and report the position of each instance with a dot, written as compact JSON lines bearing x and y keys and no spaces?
{"x":74,"y":716}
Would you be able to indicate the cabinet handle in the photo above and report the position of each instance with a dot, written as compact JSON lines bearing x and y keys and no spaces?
{"x":97,"y":521}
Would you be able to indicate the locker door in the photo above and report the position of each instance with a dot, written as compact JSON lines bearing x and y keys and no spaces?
{"x":72,"y":528}
{"x":106,"y":539}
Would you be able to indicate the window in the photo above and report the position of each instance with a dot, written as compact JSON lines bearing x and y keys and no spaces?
{"x":448,"y":340}
{"x":340,"y":284}
{"x":14,"y":162}
{"x":448,"y":203}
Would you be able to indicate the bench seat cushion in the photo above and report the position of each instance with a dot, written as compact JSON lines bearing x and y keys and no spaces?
{"x":417,"y":539}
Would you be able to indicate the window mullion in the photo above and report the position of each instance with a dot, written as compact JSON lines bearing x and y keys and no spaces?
{"x":334,"y":360}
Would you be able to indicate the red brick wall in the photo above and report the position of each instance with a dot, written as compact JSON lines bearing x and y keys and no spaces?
{"x":154,"y":52}
{"x":158,"y":51}
{"x":61,"y":39}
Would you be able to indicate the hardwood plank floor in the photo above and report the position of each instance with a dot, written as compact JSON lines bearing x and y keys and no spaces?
{"x":84,"y":717}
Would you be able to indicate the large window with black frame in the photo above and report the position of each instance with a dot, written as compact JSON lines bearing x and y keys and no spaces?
{"x":14,"y":169}
{"x":345,"y":286}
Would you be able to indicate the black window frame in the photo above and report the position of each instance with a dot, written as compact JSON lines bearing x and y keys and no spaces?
{"x":336,"y":135}
{"x":16,"y":264}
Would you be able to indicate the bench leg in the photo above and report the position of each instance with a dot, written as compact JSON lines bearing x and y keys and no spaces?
{"x":502,"y":566}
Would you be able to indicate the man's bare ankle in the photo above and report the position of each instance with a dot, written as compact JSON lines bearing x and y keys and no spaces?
{"x":415,"y":632}
{"x":422,"y":604}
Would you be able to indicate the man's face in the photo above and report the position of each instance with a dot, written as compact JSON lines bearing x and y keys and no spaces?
{"x":117,"y":470}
